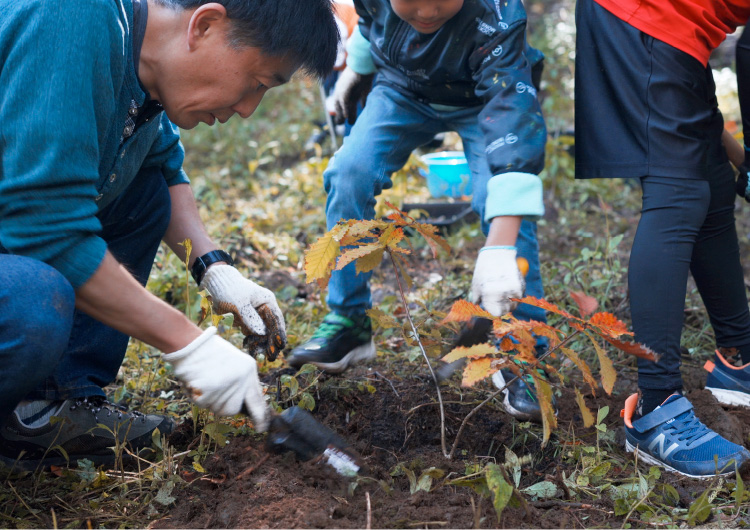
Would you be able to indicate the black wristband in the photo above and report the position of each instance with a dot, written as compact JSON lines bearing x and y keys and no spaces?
{"x":200,"y":265}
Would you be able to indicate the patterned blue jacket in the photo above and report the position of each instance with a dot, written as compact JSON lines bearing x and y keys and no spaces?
{"x":480,"y":57}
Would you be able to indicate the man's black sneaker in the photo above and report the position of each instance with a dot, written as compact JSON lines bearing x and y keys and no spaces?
{"x":338,"y":343}
{"x":520,"y":395}
{"x":85,"y":428}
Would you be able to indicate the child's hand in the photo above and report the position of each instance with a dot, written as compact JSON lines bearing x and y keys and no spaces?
{"x":496,"y":280}
{"x":350,"y":89}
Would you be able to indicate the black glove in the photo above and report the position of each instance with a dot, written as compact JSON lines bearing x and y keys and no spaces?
{"x":742,"y":182}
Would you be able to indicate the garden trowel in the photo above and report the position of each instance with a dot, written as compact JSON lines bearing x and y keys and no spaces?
{"x":296,"y":430}
{"x":476,"y":331}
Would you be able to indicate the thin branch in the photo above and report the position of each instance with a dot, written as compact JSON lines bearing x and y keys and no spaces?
{"x":564,"y":342}
{"x":369,"y":511}
{"x":424,"y":354}
{"x":389,"y":382}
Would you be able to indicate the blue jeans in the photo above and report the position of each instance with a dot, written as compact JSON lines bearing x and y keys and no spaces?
{"x":48,"y":350}
{"x":389,"y":128}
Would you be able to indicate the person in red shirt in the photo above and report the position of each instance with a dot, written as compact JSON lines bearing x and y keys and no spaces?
{"x":646,"y":108}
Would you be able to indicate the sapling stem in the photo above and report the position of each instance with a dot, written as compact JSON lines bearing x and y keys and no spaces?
{"x":564,"y":342}
{"x":424,"y":354}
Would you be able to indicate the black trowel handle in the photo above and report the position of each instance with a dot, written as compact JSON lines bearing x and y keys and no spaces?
{"x":475,"y":331}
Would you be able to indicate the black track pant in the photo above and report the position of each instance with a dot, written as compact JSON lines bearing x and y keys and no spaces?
{"x":686,"y":224}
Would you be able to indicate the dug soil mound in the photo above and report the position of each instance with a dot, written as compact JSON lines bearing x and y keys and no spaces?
{"x":392,"y":420}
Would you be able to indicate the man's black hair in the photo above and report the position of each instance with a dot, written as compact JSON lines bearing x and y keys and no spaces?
{"x":304,"y":30}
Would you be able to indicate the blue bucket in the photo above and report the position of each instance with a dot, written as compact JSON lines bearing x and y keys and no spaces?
{"x":447,"y":174}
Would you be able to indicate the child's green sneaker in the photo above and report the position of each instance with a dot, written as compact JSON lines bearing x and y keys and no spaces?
{"x":338,"y":343}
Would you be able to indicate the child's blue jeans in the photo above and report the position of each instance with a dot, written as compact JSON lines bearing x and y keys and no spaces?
{"x":48,"y":350}
{"x":389,"y":128}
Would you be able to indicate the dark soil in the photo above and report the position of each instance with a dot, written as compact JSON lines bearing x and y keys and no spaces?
{"x":399,"y":424}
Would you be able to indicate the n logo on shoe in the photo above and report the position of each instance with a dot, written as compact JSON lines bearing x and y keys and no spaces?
{"x":661,"y":452}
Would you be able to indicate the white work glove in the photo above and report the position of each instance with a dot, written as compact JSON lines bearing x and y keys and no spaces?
{"x":496,"y":279}
{"x":350,"y":89}
{"x":221,"y":378}
{"x":254,"y":307}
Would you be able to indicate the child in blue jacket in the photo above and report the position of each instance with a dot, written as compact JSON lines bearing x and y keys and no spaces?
{"x":446,"y":65}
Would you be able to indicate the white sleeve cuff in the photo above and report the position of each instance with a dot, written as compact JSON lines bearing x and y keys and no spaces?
{"x":514,"y":193}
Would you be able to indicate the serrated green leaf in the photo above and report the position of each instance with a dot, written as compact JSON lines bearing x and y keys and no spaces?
{"x":164,"y":496}
{"x":700,"y":510}
{"x":499,"y":487}
{"x":306,"y":401}
{"x":542,"y":490}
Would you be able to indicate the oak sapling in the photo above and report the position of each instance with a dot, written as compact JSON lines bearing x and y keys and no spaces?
{"x":366,"y":241}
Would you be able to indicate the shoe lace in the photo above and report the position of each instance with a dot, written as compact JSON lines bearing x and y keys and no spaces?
{"x":688,"y":428}
{"x":97,"y":404}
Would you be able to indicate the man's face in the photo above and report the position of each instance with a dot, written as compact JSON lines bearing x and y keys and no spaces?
{"x":426,"y":16}
{"x":209,"y":80}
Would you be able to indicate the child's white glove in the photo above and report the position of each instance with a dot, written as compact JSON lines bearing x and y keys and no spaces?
{"x":220,"y":377}
{"x":496,"y":279}
{"x":350,"y":89}
{"x":232,"y":293}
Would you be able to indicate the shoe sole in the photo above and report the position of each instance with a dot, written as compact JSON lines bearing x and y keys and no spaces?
{"x":652,"y":460}
{"x":499,"y":381}
{"x":357,"y":355}
{"x":59,"y":461}
{"x":733,"y":398}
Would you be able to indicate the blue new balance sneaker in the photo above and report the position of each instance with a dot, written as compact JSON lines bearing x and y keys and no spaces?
{"x":671,"y":436}
{"x":729,"y":384}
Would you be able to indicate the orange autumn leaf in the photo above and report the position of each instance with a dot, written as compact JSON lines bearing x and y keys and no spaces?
{"x":544,"y":304}
{"x":463,"y":311}
{"x":610,"y":324}
{"x":634,"y":348}
{"x":586,"y":304}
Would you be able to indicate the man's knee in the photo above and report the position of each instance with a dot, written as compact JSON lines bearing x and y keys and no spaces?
{"x":41,"y":309}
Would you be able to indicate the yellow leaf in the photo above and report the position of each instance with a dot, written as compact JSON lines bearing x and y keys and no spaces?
{"x":321,"y":256}
{"x":392,"y":237}
{"x":586,"y":414}
{"x":477,"y":370}
{"x":473,"y":352}
{"x":582,"y":366}
{"x":355,"y":230}
{"x":544,"y":394}
{"x":382,"y":319}
{"x":429,"y":232}
{"x":356,"y":253}
{"x":401,"y":266}
{"x":606,"y":367}
{"x":188,"y":244}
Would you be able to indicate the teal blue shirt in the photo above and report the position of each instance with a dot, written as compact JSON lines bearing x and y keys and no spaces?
{"x":67,"y":87}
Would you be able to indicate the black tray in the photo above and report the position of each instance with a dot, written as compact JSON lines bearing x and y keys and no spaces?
{"x":444,"y":215}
